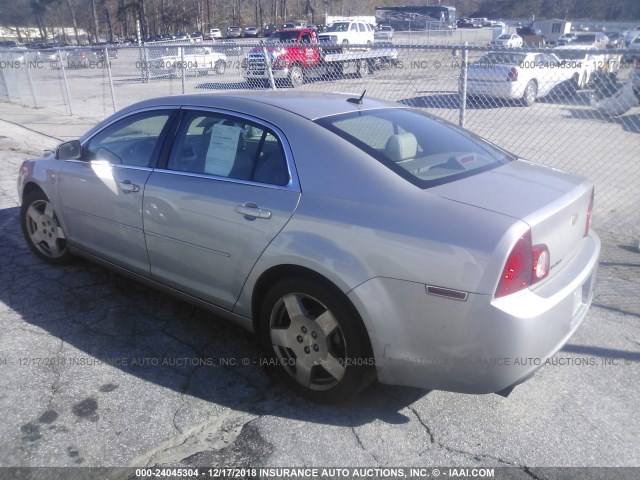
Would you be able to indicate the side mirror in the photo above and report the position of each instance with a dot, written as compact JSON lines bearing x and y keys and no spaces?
{"x":69,"y":150}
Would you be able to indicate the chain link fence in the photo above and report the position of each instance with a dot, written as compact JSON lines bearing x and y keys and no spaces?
{"x":572,"y":109}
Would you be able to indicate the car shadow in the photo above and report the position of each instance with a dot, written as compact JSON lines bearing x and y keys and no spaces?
{"x":558,"y":97}
{"x":629,"y":123}
{"x":112,"y":320}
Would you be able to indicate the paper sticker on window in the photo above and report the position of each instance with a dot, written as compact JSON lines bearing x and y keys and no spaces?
{"x":222,"y":150}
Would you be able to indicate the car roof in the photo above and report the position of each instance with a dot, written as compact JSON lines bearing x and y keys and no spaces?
{"x":309,"y":105}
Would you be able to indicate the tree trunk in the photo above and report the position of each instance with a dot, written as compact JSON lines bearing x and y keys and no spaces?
{"x":94,"y":14}
{"x":72,"y":12}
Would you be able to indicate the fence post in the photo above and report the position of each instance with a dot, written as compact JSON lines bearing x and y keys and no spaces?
{"x":269,"y":71}
{"x":463,"y":84}
{"x":144,"y":63}
{"x":31,"y":87}
{"x":64,"y":81}
{"x":4,"y":84}
{"x":182,"y":69}
{"x":113,"y":95}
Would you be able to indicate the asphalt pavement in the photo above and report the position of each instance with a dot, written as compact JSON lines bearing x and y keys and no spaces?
{"x":97,"y":370}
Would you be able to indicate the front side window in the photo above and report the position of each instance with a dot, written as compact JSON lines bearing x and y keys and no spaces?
{"x":216,"y":144}
{"x":130,"y":141}
{"x":424,"y":150}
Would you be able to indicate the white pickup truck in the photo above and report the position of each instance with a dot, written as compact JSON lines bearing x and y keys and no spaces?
{"x":188,"y":60}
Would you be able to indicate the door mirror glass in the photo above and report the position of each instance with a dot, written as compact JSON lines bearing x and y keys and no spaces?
{"x":69,"y":150}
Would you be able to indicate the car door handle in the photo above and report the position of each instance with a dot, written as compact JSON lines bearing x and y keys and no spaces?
{"x":128,"y":187}
{"x":252,"y":210}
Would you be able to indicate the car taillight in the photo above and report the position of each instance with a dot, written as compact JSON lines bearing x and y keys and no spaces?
{"x":589,"y":210}
{"x":526,"y":265}
{"x":512,"y":76}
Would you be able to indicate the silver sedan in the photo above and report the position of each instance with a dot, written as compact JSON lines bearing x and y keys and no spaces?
{"x":357,"y":238}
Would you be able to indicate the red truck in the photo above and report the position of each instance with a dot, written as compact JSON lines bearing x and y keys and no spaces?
{"x":292,"y":55}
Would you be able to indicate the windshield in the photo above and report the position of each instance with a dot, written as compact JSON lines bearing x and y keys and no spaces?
{"x":281,"y":37}
{"x":424,"y":150}
{"x":585,"y":39}
{"x":338,"y":27}
{"x":501,"y":58}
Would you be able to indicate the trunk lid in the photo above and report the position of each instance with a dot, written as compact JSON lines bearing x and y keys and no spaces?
{"x":553,"y":203}
{"x":489,"y":73}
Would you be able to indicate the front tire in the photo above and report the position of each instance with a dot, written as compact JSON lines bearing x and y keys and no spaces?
{"x":364,"y":69}
{"x":42,"y":230}
{"x":220,"y":67}
{"x":316,"y":340}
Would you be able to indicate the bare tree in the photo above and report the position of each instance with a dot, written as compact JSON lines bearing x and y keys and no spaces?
{"x":74,"y":22}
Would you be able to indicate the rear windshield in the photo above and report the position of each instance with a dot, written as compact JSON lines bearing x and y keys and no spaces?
{"x":422,"y":149}
{"x":501,"y":58}
{"x":283,"y":37}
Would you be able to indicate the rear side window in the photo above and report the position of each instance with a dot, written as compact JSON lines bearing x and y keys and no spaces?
{"x":216,"y":144}
{"x":424,"y":150}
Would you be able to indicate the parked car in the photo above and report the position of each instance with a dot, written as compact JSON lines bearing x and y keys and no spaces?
{"x":517,"y":76}
{"x":269,"y":29}
{"x":431,"y":254}
{"x":566,"y":38}
{"x":43,"y":54}
{"x":595,"y":39}
{"x":384,"y":33}
{"x":465,"y":23}
{"x":508,"y":40}
{"x":616,"y":40}
{"x":83,"y":58}
{"x":629,"y":35}
{"x":197,"y":36}
{"x":112,"y":50}
{"x":215,"y":33}
{"x":586,"y":62}
{"x":251,"y":32}
{"x":633,"y":49}
{"x":234,"y":32}
{"x":228,"y":48}
{"x":192,"y":61}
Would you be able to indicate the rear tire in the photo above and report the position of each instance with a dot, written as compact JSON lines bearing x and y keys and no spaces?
{"x":530,"y":94}
{"x":220,"y":67}
{"x":296,"y":76}
{"x":315,"y":340}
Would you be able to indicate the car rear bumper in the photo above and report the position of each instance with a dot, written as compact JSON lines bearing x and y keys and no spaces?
{"x":498,"y":89}
{"x":482,"y":344}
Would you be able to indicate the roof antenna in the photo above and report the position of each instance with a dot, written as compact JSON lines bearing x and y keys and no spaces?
{"x":357,"y":101}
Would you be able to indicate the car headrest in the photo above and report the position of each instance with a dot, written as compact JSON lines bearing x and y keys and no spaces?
{"x":401,"y":146}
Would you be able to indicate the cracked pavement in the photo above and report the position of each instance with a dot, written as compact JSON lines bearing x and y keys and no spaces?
{"x":97,"y":370}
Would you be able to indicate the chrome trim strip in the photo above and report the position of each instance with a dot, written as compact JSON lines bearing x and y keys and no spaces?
{"x":135,"y":112}
{"x":207,"y":176}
